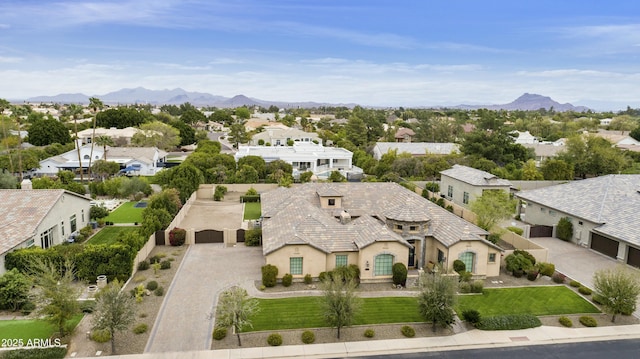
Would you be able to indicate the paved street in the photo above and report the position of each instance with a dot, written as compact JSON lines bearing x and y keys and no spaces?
{"x":185,"y":321}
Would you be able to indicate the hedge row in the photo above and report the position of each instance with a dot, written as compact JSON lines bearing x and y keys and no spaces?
{"x":509,"y":322}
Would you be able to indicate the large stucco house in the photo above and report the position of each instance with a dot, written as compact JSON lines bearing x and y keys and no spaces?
{"x":603,"y":211}
{"x":278,"y":136}
{"x":39,"y":217}
{"x":306,"y":156}
{"x":315,"y":227}
{"x":144,"y":161}
{"x":462,"y":184}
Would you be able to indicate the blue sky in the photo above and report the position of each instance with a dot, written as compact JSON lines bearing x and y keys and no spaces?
{"x":371,"y":52}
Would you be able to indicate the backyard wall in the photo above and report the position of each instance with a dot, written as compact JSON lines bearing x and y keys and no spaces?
{"x":179,"y":217}
{"x":144,"y":252}
{"x":205,"y":191}
{"x":519,"y":242}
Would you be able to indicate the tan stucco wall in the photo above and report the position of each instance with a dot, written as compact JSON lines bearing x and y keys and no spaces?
{"x":398,"y":250}
{"x":352,"y":258}
{"x":314,"y":261}
{"x":324,"y":202}
{"x":482,"y":267}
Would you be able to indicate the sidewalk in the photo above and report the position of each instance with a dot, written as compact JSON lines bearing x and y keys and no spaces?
{"x":473,"y":339}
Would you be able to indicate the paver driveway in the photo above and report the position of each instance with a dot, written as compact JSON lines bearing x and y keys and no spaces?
{"x":185,"y":321}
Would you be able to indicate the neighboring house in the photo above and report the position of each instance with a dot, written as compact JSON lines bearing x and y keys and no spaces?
{"x":306,"y":156}
{"x":618,"y":138}
{"x":404,"y":134}
{"x":605,"y":121}
{"x":416,"y":149}
{"x":39,"y":217}
{"x":120,"y":136}
{"x":145,"y":161}
{"x":278,"y":136}
{"x":603,"y":211}
{"x":524,"y":138}
{"x":462,"y":184}
{"x":315,"y":227}
{"x":544,"y":151}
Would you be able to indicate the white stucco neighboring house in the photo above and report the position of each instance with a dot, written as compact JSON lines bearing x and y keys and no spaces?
{"x":147,"y":160}
{"x":278,"y":136}
{"x":39,"y":217}
{"x":524,"y":137}
{"x":118,"y":135}
{"x":602,"y":210}
{"x":306,"y":156}
{"x":462,"y":184}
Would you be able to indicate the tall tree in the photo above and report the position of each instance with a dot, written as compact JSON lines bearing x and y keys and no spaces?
{"x":492,"y":207}
{"x":157,"y":134}
{"x":186,"y":178}
{"x":75,"y":111}
{"x":619,"y":288}
{"x":592,"y":155}
{"x":339,"y":302}
{"x":356,"y":131}
{"x":235,"y":309}
{"x":530,"y":172}
{"x":115,"y":311}
{"x":555,"y":169}
{"x":436,"y":298}
{"x":95,"y":104}
{"x":47,"y":131}
{"x":57,"y":292}
{"x":238,"y":134}
{"x":104,"y":141}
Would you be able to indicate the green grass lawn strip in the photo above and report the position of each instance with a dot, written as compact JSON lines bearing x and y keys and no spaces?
{"x":126,"y":213}
{"x":110,"y":235}
{"x":546,"y":300}
{"x":305,"y":312}
{"x":252,"y":210}
{"x":30,"y":329}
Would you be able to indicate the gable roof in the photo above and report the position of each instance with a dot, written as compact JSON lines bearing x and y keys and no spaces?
{"x":475,"y":177}
{"x":612,"y":200}
{"x":294,"y":216}
{"x":22,"y":211}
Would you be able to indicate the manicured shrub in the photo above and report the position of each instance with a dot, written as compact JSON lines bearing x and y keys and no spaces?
{"x":155,"y":259}
{"x":584,"y":290}
{"x":464,"y":276}
{"x":558,"y":278}
{"x":598,"y":299}
{"x":459,"y":266}
{"x":566,"y":322}
{"x":287,"y":279}
{"x":526,"y":254}
{"x":477,"y":286}
{"x":165,"y":264}
{"x":509,"y":322}
{"x":564,"y":230}
{"x":575,"y":283}
{"x":518,"y":273}
{"x":269,"y":274}
{"x":100,"y":335}
{"x":494,"y":238}
{"x":36,"y":353}
{"x":588,"y":321}
{"x":274,"y":340}
{"x":369,"y":333}
{"x":516,"y":230}
{"x":177,"y":236}
{"x":27,"y":308}
{"x":144,"y":265}
{"x":159,"y":291}
{"x":399,"y":271}
{"x":152,"y":285}
{"x":219,"y":333}
{"x":517,"y":262}
{"x":87,"y":306}
{"x":546,"y":269}
{"x":140,"y":328}
{"x":408,"y":331}
{"x":464,"y":287}
{"x":323,"y":276}
{"x":252,"y":237}
{"x":219,"y":193}
{"x":471,"y":316}
{"x":308,"y":337}
{"x":308,"y":279}
{"x":532,"y":275}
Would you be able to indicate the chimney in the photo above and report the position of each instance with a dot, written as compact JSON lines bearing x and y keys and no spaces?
{"x":26,"y":184}
{"x":345,"y":217}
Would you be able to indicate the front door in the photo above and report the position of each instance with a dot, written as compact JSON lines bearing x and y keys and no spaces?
{"x":412,"y":255}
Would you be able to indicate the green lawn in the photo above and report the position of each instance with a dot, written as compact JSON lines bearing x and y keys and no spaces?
{"x":252,"y":210}
{"x":547,"y":300}
{"x":305,"y":312}
{"x":126,"y":213}
{"x":30,"y":329}
{"x":110,"y":235}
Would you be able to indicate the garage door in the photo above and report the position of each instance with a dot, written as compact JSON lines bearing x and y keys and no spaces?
{"x":604,"y":245}
{"x":633,"y":257}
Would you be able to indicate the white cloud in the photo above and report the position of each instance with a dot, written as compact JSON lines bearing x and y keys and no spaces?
{"x":8,"y":60}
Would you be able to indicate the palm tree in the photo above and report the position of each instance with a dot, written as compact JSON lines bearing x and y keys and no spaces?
{"x":95,"y":104}
{"x":104,"y":141}
{"x":74,"y":110}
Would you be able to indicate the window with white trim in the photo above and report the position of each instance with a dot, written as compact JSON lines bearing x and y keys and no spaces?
{"x":450,"y":191}
{"x":465,"y":197}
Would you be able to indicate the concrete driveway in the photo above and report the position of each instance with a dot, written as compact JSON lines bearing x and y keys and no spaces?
{"x":577,"y":262}
{"x":185,"y":321}
{"x":210,"y":214}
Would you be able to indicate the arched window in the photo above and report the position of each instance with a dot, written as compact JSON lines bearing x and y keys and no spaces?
{"x":469,"y":260}
{"x":383,"y":264}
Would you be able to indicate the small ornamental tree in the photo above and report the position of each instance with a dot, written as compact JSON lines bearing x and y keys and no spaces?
{"x":618,"y":289}
{"x":565,"y":229}
{"x":177,"y":236}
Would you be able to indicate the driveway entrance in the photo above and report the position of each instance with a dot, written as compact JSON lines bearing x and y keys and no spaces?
{"x":186,"y":318}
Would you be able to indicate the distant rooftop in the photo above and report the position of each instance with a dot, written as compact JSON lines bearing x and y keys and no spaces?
{"x":475,"y":177}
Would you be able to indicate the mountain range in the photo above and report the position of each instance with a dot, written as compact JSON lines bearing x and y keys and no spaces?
{"x":179,"y":96}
